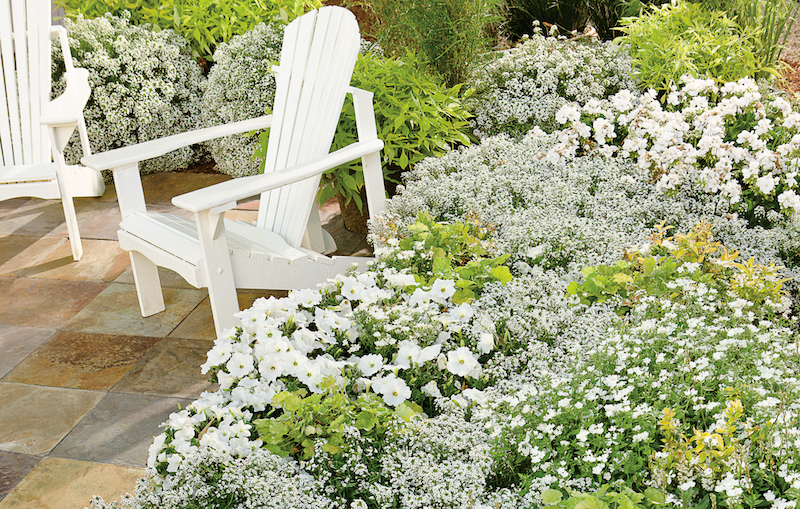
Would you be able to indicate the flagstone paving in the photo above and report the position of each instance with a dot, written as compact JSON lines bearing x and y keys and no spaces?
{"x":85,"y":381}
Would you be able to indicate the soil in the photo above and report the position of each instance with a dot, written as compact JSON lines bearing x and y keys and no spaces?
{"x":791,"y":58}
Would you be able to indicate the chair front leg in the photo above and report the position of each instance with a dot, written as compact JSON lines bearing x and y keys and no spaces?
{"x":217,"y":269}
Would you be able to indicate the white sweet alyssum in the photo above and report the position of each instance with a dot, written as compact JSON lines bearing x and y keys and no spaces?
{"x":145,"y":85}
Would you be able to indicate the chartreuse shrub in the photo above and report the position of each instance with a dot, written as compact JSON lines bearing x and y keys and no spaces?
{"x":204,"y":23}
{"x":772,"y":18}
{"x":145,"y":85}
{"x":416,"y":118}
{"x":653,"y":268}
{"x":682,"y":38}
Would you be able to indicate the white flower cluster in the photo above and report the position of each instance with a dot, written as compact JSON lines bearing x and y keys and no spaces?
{"x":241,"y":86}
{"x":213,"y":478}
{"x":526,"y":85}
{"x":735,"y":142}
{"x":564,"y":215}
{"x":145,"y":85}
{"x":385,"y":326}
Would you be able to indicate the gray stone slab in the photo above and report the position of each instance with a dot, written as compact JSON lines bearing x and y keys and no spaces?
{"x":119,"y":429}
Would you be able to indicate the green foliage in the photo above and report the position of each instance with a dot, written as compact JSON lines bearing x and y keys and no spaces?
{"x":694,"y":255}
{"x":449,"y":35}
{"x":773,"y":19}
{"x":458,"y":251}
{"x":416,"y":118}
{"x":607,"y":497}
{"x":566,"y":15}
{"x":682,"y":38}
{"x":304,"y":419}
{"x":204,"y":23}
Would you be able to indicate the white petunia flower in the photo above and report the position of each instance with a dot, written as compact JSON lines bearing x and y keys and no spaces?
{"x":461,"y":362}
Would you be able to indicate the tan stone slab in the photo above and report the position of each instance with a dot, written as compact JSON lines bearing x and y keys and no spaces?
{"x":200,"y":323}
{"x":168,"y":278}
{"x":46,"y":217}
{"x":116,"y":311}
{"x":34,"y":419}
{"x":57,"y":483}
{"x":102,"y":260}
{"x":13,"y":468}
{"x":170,"y":368}
{"x":19,"y":252}
{"x":80,"y":360}
{"x":162,"y":187}
{"x":17,"y":342}
{"x":119,"y":429}
{"x":43,"y":303}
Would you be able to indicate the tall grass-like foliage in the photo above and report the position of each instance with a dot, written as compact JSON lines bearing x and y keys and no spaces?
{"x":681,"y":38}
{"x":567,"y":15}
{"x":144,"y":86}
{"x":774,"y":19}
{"x":449,"y":35}
{"x":204,"y":23}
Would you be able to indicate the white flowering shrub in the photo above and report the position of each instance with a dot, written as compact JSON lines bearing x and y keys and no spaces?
{"x":468,"y":367}
{"x":729,"y":141}
{"x":241,"y":86}
{"x":528,"y":84}
{"x":145,"y":85}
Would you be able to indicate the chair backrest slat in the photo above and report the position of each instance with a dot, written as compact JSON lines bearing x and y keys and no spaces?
{"x":317,"y":61}
{"x":25,"y":80}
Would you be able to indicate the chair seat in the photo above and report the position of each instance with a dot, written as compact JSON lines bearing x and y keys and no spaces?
{"x":18,"y":174}
{"x":178,"y":236}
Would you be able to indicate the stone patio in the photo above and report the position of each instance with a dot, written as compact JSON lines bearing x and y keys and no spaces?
{"x":85,"y":381}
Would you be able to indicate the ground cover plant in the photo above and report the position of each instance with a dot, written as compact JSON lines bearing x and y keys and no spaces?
{"x":529,"y":83}
{"x":471,"y":325}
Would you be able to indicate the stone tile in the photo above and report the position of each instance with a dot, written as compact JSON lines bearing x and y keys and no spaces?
{"x":171,"y":368}
{"x":102,"y":260}
{"x":80,"y":360}
{"x":34,"y":419}
{"x":200,"y":323}
{"x":168,"y":278}
{"x":13,"y":468}
{"x":29,"y":302}
{"x":7,"y":206}
{"x":17,"y":342}
{"x":104,"y":225}
{"x":116,"y":311}
{"x":19,"y":252}
{"x":119,"y":430}
{"x":57,"y":483}
{"x":46,"y":217}
{"x":162,"y":187}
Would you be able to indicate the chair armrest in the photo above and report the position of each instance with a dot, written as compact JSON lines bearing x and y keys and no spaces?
{"x":226,"y":193}
{"x":66,"y":109}
{"x":150,"y":149}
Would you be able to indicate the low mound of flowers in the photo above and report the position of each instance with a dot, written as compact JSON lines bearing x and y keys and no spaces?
{"x":535,"y":332}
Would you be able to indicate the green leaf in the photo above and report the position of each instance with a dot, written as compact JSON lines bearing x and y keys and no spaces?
{"x":551,"y":497}
{"x":502,"y":274}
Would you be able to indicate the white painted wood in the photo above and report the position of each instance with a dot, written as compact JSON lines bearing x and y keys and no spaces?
{"x":154,"y":148}
{"x":317,"y":60}
{"x":31,"y":157}
{"x":218,"y":271}
{"x":148,"y":284}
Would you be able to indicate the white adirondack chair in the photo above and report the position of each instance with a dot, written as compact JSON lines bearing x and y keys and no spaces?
{"x":283,"y":250}
{"x":33,"y":130}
